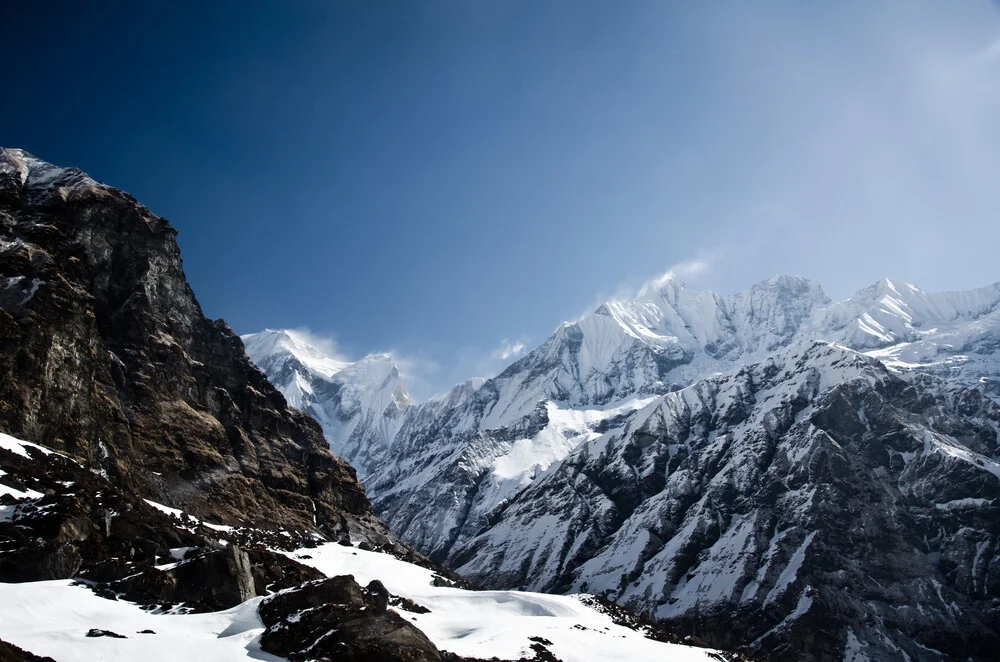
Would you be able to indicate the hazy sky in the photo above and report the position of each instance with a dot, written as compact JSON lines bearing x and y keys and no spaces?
{"x":450,"y":180}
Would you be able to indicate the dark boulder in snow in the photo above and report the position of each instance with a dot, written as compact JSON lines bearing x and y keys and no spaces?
{"x":339,"y":619}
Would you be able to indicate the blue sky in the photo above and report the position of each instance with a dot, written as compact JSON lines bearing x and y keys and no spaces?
{"x":449,"y":179}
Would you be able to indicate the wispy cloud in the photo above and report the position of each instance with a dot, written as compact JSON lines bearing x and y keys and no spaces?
{"x":508,"y":350}
{"x":687,"y":270}
{"x":326,"y":344}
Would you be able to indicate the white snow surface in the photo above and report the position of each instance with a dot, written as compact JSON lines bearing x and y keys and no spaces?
{"x":498,"y":623}
{"x":52,"y":619}
{"x":18,"y":446}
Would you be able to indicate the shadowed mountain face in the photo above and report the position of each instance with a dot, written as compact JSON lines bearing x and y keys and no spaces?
{"x":811,"y":506}
{"x":106,"y":355}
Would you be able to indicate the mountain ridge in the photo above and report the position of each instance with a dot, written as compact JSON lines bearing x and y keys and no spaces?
{"x":480,"y":479}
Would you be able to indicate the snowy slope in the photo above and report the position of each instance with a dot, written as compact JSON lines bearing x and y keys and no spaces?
{"x":52,"y":618}
{"x":498,"y":623}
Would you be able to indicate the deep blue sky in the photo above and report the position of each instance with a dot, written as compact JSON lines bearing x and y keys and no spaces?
{"x":432,"y":178}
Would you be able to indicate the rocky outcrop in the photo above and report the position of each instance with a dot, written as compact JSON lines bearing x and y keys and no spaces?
{"x":69,"y":522}
{"x":105,"y":355}
{"x":338,"y":619}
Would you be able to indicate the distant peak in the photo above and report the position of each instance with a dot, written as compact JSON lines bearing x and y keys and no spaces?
{"x":297,"y":344}
{"x":796,"y":286}
{"x":785,"y":280}
{"x":888,"y":287}
{"x":668,"y":283}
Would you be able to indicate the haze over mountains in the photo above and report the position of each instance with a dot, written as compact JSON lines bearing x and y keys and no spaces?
{"x":667,"y":451}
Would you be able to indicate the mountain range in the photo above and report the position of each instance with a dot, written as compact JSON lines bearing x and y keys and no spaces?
{"x":825,"y":470}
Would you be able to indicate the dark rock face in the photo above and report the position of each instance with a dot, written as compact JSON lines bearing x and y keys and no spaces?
{"x":336,"y":618}
{"x":83,"y":527}
{"x":223,"y":577}
{"x":11,"y":653}
{"x":106,"y":355}
{"x":78,"y":525}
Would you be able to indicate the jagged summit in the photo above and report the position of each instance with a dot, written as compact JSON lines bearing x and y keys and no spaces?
{"x":276,"y":345}
{"x":38,"y":180}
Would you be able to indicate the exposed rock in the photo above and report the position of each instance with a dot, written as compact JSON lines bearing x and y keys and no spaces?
{"x":96,"y":632}
{"x":337,"y":618}
{"x":11,"y":653}
{"x":216,"y":580}
{"x":273,"y":572}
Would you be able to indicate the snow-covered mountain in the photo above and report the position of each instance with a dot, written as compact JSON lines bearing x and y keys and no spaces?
{"x":816,"y":500}
{"x":568,"y":469}
{"x":359,"y":404}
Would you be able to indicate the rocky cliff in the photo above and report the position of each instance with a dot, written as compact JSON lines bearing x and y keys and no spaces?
{"x":105,"y":354}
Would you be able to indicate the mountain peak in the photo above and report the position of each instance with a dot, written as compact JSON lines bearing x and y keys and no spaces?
{"x":790,"y":282}
{"x":666,"y":285}
{"x":889,"y":287}
{"x":30,"y":173}
{"x":344,"y":396}
{"x":275,"y":344}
